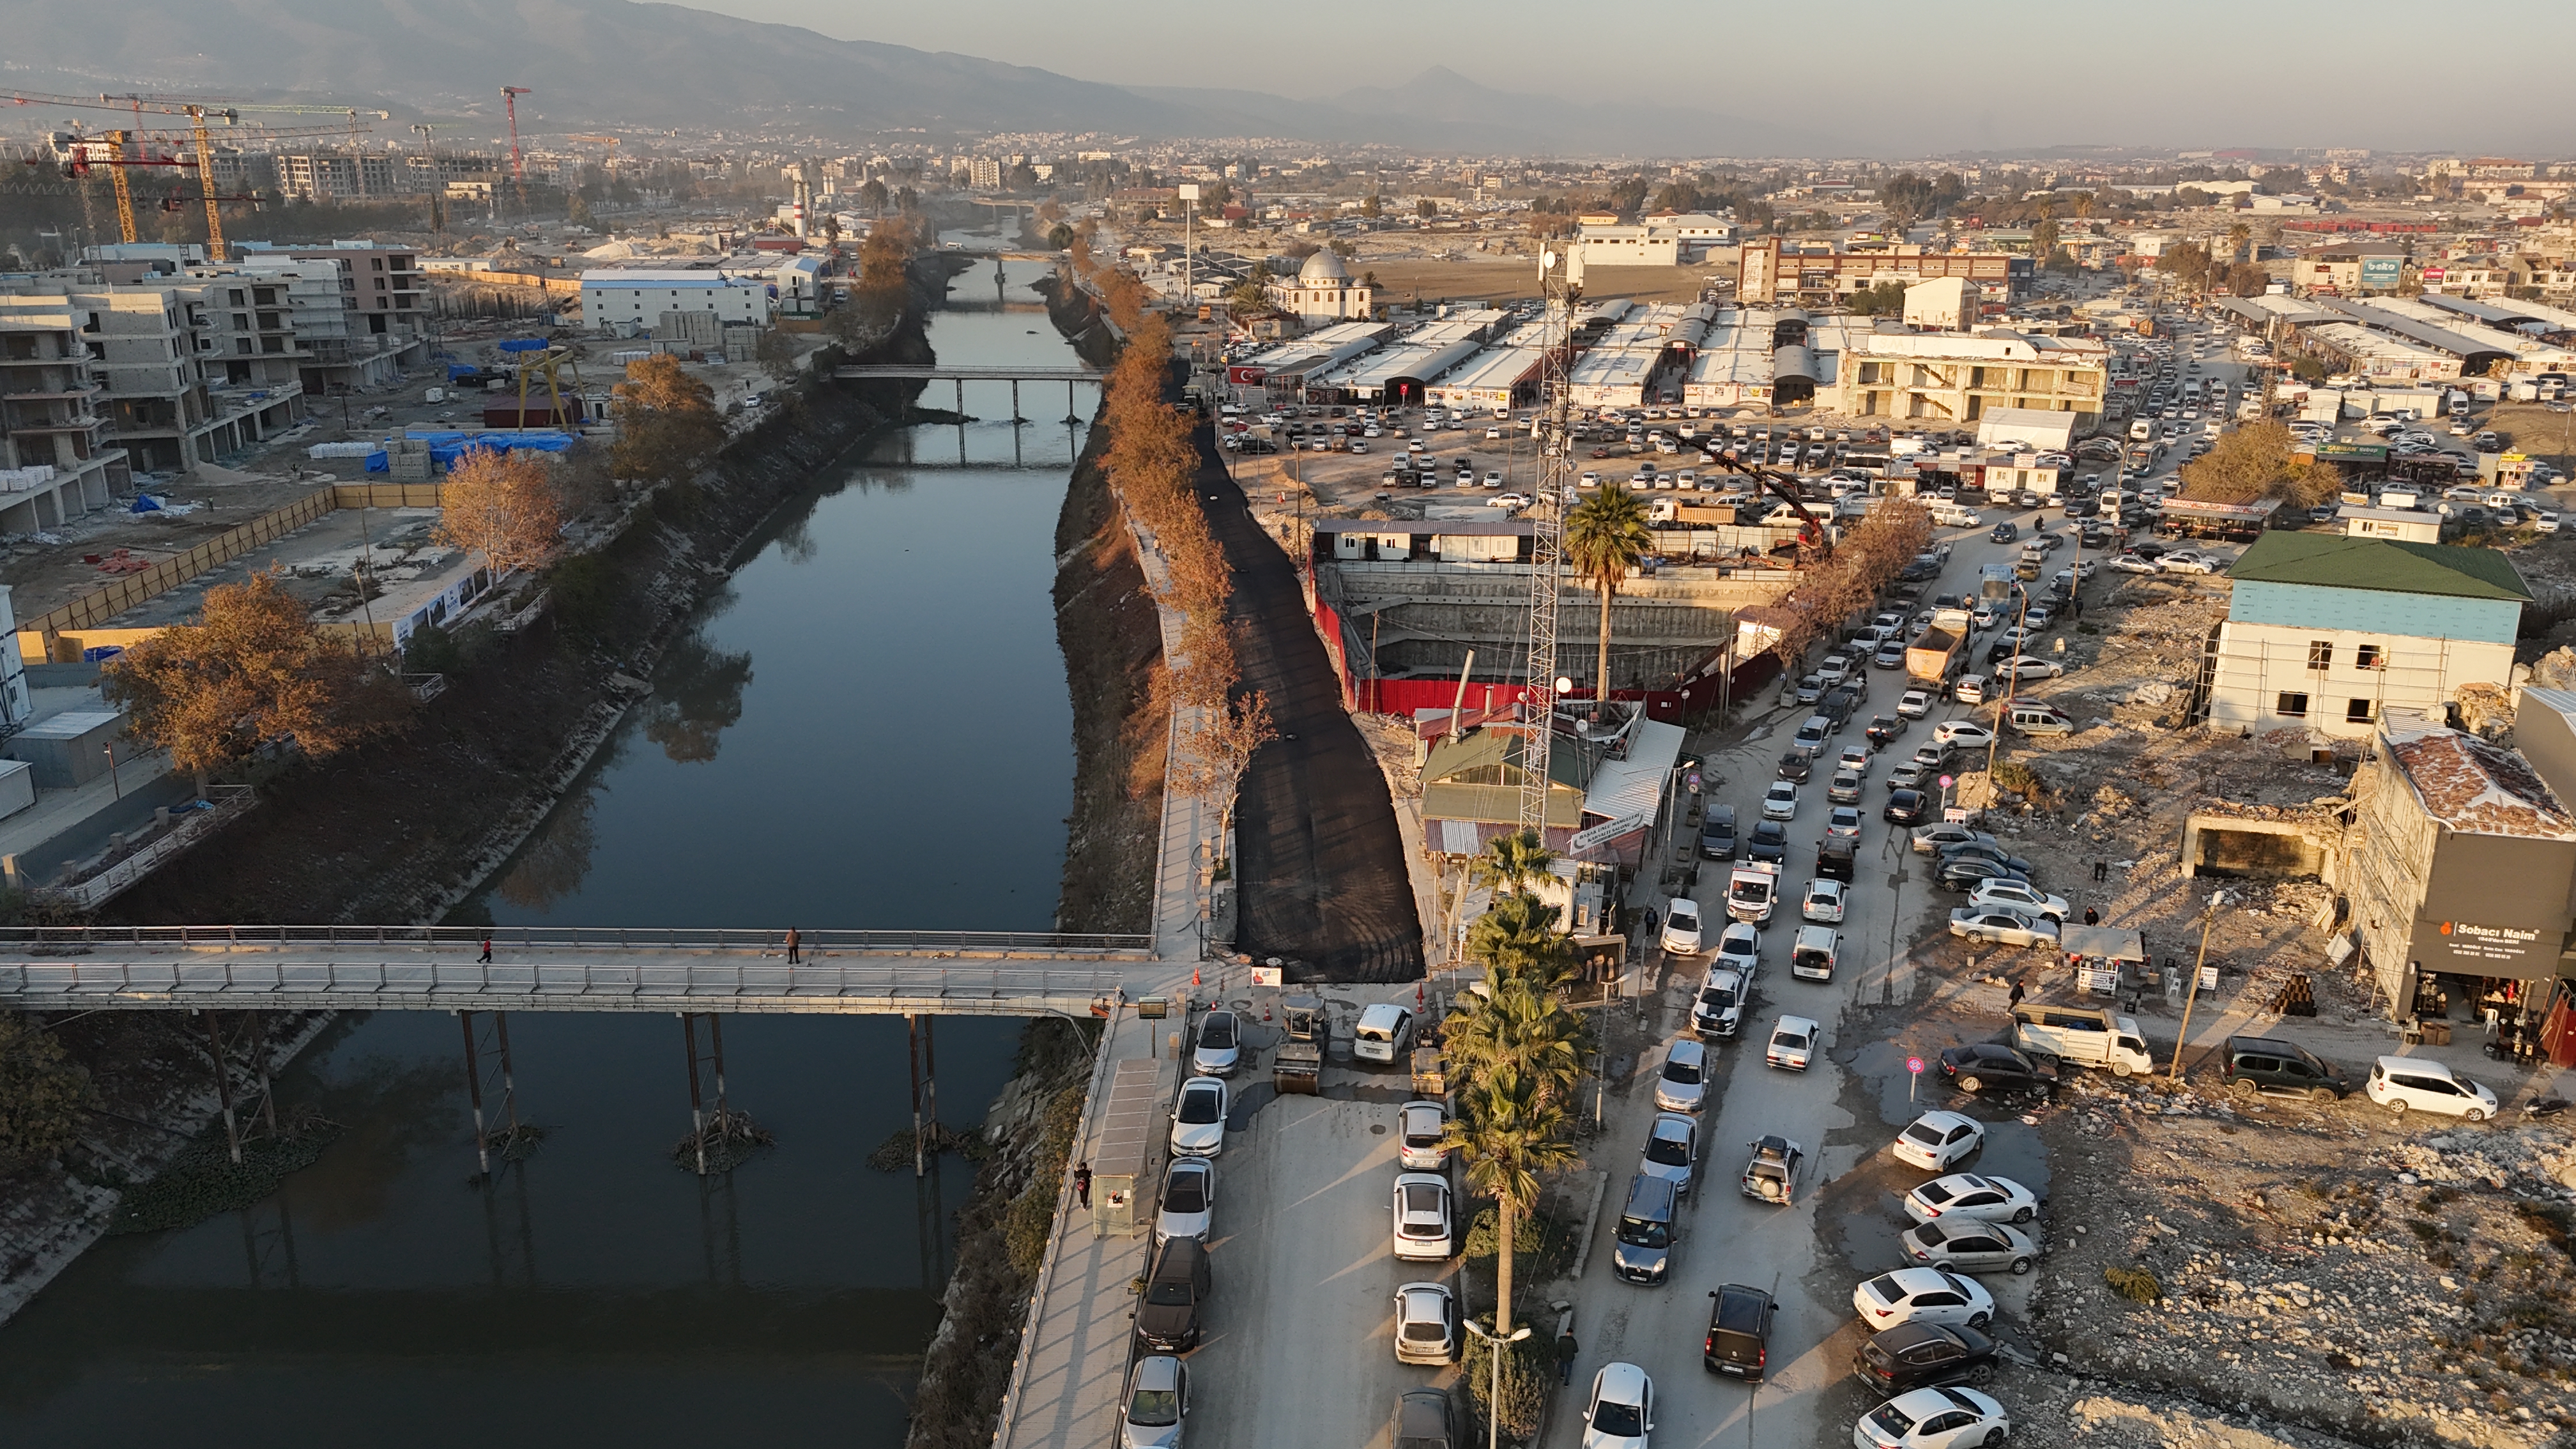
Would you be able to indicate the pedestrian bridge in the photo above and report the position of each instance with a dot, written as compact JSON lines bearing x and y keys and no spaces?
{"x":398,"y":968}
{"x":929,"y":372}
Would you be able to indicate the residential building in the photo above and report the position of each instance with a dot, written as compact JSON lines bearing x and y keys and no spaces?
{"x":56,"y":459}
{"x":984,"y":173}
{"x":2462,"y":866}
{"x":2333,"y":634}
{"x":2349,"y":268}
{"x":1947,"y":378}
{"x":1770,"y":272}
{"x":631,"y":300}
{"x":384,"y":285}
{"x":339,"y":175}
{"x":179,"y":383}
{"x":1322,"y":292}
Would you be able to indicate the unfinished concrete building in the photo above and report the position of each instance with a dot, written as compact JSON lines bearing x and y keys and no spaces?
{"x":56,"y":459}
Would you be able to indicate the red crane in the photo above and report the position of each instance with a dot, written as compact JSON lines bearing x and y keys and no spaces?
{"x":518,"y":170}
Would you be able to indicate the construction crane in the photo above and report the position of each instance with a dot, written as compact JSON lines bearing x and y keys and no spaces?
{"x":437,"y":183}
{"x":1813,"y":536}
{"x":518,"y":167}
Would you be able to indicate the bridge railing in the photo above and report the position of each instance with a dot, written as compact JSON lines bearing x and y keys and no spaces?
{"x":82,"y":940}
{"x":415,"y":983}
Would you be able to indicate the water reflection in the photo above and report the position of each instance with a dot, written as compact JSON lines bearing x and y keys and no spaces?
{"x":551,"y":865}
{"x":697,"y":694}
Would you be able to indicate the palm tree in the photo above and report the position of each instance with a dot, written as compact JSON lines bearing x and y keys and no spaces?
{"x":1508,"y":1134}
{"x":1519,"y":1026}
{"x":1605,"y":536}
{"x":2237,"y":236}
{"x":1510,"y":860}
{"x":1517,"y":937}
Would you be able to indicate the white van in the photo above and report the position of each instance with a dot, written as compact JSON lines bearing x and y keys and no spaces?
{"x":2087,"y":1035}
{"x":2033,"y":718}
{"x":1812,"y":955}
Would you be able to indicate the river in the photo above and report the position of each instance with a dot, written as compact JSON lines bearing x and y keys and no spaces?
{"x":867,"y":727}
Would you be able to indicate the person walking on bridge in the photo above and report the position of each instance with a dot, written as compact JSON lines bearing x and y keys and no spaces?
{"x":487,"y":951}
{"x":1082,"y":1183}
{"x":792,"y":939}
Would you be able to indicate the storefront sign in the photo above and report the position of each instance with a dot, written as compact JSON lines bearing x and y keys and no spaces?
{"x":2466,"y":946}
{"x":2381,"y":271}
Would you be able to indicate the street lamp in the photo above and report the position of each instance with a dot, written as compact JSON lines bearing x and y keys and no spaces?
{"x":1494,"y":1394}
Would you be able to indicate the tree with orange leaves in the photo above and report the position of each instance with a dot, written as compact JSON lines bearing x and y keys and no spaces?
{"x":503,"y":506}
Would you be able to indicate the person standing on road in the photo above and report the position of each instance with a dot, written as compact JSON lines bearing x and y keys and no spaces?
{"x":2101,"y":871}
{"x":2012,"y":999}
{"x":792,"y":940}
{"x":1566,"y":1349}
{"x":2092,"y":917}
{"x":1082,"y":1183}
{"x":1651,"y":921}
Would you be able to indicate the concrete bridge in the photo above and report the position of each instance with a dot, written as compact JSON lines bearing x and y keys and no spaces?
{"x":397,"y":968}
{"x":1071,"y":377}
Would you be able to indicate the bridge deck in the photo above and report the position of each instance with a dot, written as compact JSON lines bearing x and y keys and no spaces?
{"x":930,"y":373}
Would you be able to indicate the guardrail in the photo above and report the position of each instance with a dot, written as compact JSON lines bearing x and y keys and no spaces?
{"x":71,"y":940}
{"x":737,"y":986}
{"x":231,"y":802}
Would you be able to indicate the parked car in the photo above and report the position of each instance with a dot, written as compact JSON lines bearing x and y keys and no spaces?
{"x":1426,"y":1324}
{"x":1906,"y":807}
{"x":1158,"y":1399}
{"x":2004,"y":928}
{"x":1991,"y":850}
{"x":1967,"y":873}
{"x":1198,"y":1118}
{"x":1422,"y":1217}
{"x":1672,"y":1148}
{"x":1963,"y":734}
{"x":1933,"y":838}
{"x":1739,"y":1332}
{"x":1384,"y":1034}
{"x":1419,"y":1125}
{"x":1824,"y":901}
{"x":1972,"y":1195}
{"x":1969,"y":1246}
{"x":1793,"y":1043}
{"x":1171,"y":1314}
{"x":1188,"y":1201}
{"x":1682,"y":927}
{"x":1915,"y":1355}
{"x":1717,"y":833}
{"x":1682,"y":1086}
{"x":1939,"y":1418}
{"x":1219,"y":1047}
{"x":1621,"y":1411}
{"x":2028,"y":900}
{"x":1914,"y":704}
{"x":1426,"y":1419}
{"x":2401,"y":1084}
{"x":2030,"y":666}
{"x":1771,"y":1172}
{"x":2263,"y":1065}
{"x":1938,"y":1140}
{"x":1922,"y":1295}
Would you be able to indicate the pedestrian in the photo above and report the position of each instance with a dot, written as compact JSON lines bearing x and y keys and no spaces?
{"x":1082,"y":1182}
{"x":2092,"y":917}
{"x":1566,"y":1349}
{"x":487,"y":951}
{"x":2012,"y":1000}
{"x":2101,"y":871}
{"x":792,"y":939}
{"x":1651,"y":920}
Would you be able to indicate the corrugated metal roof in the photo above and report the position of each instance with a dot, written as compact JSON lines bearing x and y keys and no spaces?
{"x":2335,"y":562}
{"x":1632,"y":786}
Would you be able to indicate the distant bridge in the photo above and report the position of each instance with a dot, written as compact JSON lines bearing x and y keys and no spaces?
{"x":314,"y":968}
{"x":1071,"y":377}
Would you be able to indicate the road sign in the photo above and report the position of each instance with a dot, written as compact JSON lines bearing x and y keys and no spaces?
{"x":1947,"y":781}
{"x":1954,"y":815}
{"x":1914,"y":1065}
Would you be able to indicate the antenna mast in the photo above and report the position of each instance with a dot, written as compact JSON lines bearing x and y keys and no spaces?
{"x":1547,"y":523}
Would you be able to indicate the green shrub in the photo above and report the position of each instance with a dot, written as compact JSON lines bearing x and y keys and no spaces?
{"x":1529,"y":1375}
{"x":2135,"y":1284}
{"x":2020,"y":779}
{"x":586,"y":592}
{"x":1542,"y":1247}
{"x":44,"y":1094}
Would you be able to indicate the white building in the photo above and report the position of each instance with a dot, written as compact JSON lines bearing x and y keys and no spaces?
{"x":1322,"y":291}
{"x":634,"y":299}
{"x":2333,"y":634}
{"x":1948,"y":378}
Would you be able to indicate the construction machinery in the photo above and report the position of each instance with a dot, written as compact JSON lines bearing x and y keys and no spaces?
{"x":518,"y":164}
{"x":1814,"y":538}
{"x":1298,"y":1064}
{"x":537,"y":357}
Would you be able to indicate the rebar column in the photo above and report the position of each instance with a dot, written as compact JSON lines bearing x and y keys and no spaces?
{"x":474,"y":1095}
{"x":1016,"y":419}
{"x":224,"y":1088}
{"x":715,"y":1038}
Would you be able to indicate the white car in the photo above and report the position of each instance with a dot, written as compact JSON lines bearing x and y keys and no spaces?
{"x":2004,"y":928}
{"x":1508,"y":500}
{"x":1158,"y":1398}
{"x":2186,"y":562}
{"x":1941,"y":1418}
{"x":1418,"y":1128}
{"x":1969,"y":1246}
{"x":1672,"y":1150}
{"x":1780,"y":802}
{"x":1422,"y":1227}
{"x":2013,"y":895}
{"x":1621,"y":1411}
{"x":1936,"y":1141}
{"x":1220,"y":1045}
{"x":1967,"y":734}
{"x":1494,"y":478}
{"x":2403,"y":1083}
{"x":1739,"y":948}
{"x":1426,"y":1324}
{"x":1922,"y":1295}
{"x":2030,"y":666}
{"x":1198,"y":1118}
{"x":1914,"y":704}
{"x":1683,"y":1085}
{"x":1384,"y":1034}
{"x":1718,"y":1009}
{"x":1932,"y":839}
{"x":1824,"y":901}
{"x":1793,"y":1043}
{"x":1682,"y":935}
{"x":1588,"y":480}
{"x":2129,"y":563}
{"x":1188,"y":1201}
{"x":1972,"y":1195}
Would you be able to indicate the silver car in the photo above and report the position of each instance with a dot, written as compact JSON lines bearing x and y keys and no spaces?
{"x":1220,"y":1045}
{"x":1426,"y":1324}
{"x":1418,"y":1129}
{"x":1672,"y":1150}
{"x":1158,"y":1399}
{"x":1968,"y":1246}
{"x":1189,"y":1200}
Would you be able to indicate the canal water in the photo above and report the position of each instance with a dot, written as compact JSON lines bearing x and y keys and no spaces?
{"x":868,"y":727}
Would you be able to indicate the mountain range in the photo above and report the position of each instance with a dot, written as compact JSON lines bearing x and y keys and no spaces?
{"x":619,"y":63}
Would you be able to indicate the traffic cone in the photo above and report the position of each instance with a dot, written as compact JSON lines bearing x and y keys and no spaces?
{"x":1194,"y":976}
{"x":1417,"y":996}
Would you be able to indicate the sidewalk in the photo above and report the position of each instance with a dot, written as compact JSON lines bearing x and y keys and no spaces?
{"x":132,"y":789}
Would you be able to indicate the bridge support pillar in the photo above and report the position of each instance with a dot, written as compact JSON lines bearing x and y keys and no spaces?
{"x":261,"y":1110}
{"x":474,"y":1086}
{"x":720,"y":1138}
{"x":1016,"y":419}
{"x":961,"y":396}
{"x":925,"y":1089}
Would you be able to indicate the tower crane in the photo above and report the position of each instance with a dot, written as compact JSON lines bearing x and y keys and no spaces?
{"x":518,"y":168}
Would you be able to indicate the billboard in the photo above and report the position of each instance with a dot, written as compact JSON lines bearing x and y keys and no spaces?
{"x":1246,"y":376}
{"x":2382,"y":272}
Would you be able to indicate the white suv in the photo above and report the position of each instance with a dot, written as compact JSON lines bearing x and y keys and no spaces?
{"x":2400,"y":1083}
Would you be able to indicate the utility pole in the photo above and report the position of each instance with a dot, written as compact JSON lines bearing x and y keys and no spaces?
{"x":2209,"y":915}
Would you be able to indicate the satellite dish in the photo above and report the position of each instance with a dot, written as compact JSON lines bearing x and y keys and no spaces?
{"x":1547,"y":260}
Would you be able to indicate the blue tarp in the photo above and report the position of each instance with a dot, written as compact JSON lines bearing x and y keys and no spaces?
{"x":523,"y":344}
{"x":377,"y":462}
{"x":456,"y":370}
{"x":445,"y":447}
{"x":145,"y":503}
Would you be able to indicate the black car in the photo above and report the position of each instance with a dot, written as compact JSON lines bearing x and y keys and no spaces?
{"x":1427,"y":1418}
{"x":2005,"y":532}
{"x":1171,"y":1316}
{"x":1981,"y":850}
{"x":1739,"y":1331}
{"x":2278,"y":1068}
{"x":1885,"y":728}
{"x":1717,"y":833}
{"x":1968,"y":872}
{"x":1906,"y":807}
{"x":1992,"y":1067}
{"x":1924,"y":1355}
{"x":1798,"y":764}
{"x":1768,"y":842}
{"x":1835,"y":857}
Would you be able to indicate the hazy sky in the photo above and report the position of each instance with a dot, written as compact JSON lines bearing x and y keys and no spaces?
{"x":2185,"y":73}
